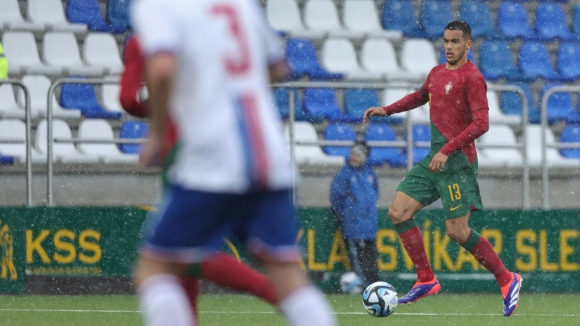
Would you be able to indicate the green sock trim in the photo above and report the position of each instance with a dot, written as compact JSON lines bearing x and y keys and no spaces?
{"x":405,"y":226}
{"x":472,"y":241}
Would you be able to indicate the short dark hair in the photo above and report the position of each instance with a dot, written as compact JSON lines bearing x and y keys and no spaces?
{"x":460,"y":25}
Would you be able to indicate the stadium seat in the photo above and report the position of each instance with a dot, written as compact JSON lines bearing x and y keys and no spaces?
{"x":560,"y":107}
{"x":118,"y":13}
{"x":418,"y":55}
{"x":38,"y":87}
{"x":575,"y":18}
{"x":378,"y":55}
{"x":478,"y":16}
{"x":511,"y":103}
{"x":553,"y":157}
{"x":393,"y":94}
{"x":108,"y":153}
{"x":11,"y":18}
{"x":310,"y":154}
{"x":341,"y":132}
{"x":63,"y":152}
{"x":421,"y":133}
{"x":534,"y":62}
{"x":16,"y":130}
{"x":362,"y":16}
{"x":381,"y":155}
{"x":284,"y":15}
{"x":567,"y":59}
{"x":88,"y":12}
{"x":513,"y":21}
{"x":497,"y":157}
{"x":84,"y":98}
{"x":9,"y":109}
{"x":399,"y":15}
{"x":61,"y":50}
{"x":322,"y":103}
{"x":435,"y":15}
{"x":570,"y":134}
{"x":22,"y":54}
{"x":100,"y":50}
{"x":495,"y":113}
{"x":282,"y":97}
{"x":51,"y":14}
{"x":496,"y":62}
{"x":111,"y":97}
{"x":322,"y":16}
{"x":133,"y":130}
{"x":302,"y":59}
{"x":551,"y":23}
{"x":356,"y":101}
{"x":338,"y":55}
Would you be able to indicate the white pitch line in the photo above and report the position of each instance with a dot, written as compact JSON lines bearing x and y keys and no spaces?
{"x":412,"y":314}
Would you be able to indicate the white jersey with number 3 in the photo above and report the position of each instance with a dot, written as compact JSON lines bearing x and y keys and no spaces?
{"x":230,"y":138}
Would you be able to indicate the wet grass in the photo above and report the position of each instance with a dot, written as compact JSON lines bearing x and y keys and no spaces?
{"x":448,"y":310}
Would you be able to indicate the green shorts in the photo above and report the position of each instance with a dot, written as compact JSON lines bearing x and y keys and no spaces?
{"x":459,"y":192}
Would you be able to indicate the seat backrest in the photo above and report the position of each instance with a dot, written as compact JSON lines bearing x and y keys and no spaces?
{"x":534,"y":59}
{"x":478,"y":16}
{"x":321,"y":102}
{"x":421,"y":133}
{"x":78,"y":96}
{"x":339,"y":131}
{"x":301,"y":55}
{"x":12,"y":129}
{"x":356,"y":101}
{"x":418,"y":55}
{"x":133,"y":130}
{"x":576,"y":19}
{"x":495,"y":58}
{"x":61,"y":49}
{"x":511,"y":102}
{"x":7,"y":99}
{"x":338,"y":55}
{"x":60,"y":129}
{"x":118,"y":12}
{"x":20,"y":48}
{"x":568,"y":56}
{"x":498,"y":135}
{"x":399,"y":15}
{"x":361,"y":15}
{"x":570,"y":134}
{"x":435,"y":15}
{"x":282,"y":98}
{"x":10,"y":11}
{"x":101,"y":49}
{"x":512,"y":19}
{"x":321,"y":15}
{"x":379,"y":55}
{"x":559,"y":103}
{"x":551,"y":20}
{"x":84,"y":12}
{"x":38,"y":86}
{"x":378,"y":132}
{"x":45,"y":11}
{"x":96,"y":129}
{"x":304,"y":131}
{"x":284,"y":15}
{"x":111,"y":97}
{"x":392,"y":95}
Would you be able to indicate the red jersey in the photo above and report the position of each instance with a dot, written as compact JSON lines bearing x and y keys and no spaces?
{"x":458,"y":108}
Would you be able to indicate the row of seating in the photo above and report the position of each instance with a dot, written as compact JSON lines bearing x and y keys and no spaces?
{"x":14,"y":130}
{"x":78,"y":16}
{"x":396,"y":157}
{"x":361,"y":19}
{"x":61,"y":54}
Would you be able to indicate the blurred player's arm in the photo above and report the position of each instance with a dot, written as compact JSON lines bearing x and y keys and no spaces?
{"x":131,"y":80}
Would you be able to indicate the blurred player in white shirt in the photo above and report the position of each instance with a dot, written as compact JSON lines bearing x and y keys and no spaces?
{"x":208,"y":66}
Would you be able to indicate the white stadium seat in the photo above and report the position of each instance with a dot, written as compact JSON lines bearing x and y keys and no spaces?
{"x":499,"y":157}
{"x":111,"y":97}
{"x":100,"y":50}
{"x":553,"y":156}
{"x":22,"y":55}
{"x":310,"y":154}
{"x":63,"y":152}
{"x":338,"y":55}
{"x":109,"y":153}
{"x":362,"y":16}
{"x":418,"y":55}
{"x":322,"y":16}
{"x":62,"y":50}
{"x":8,"y":106}
{"x":11,"y":18}
{"x":378,"y":55}
{"x":284,"y":15}
{"x":495,"y":113}
{"x":392,"y":95}
{"x":16,"y":130}
{"x":51,"y":14}
{"x":38,"y":87}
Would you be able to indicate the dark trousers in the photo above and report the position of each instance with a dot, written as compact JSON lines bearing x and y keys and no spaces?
{"x":363,"y":259}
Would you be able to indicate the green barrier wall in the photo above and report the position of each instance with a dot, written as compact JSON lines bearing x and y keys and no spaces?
{"x":87,"y":241}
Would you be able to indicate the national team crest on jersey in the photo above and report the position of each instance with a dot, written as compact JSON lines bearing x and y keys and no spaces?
{"x":448,"y":87}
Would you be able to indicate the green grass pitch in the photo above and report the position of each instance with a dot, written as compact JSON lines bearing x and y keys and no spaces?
{"x":444,"y":310}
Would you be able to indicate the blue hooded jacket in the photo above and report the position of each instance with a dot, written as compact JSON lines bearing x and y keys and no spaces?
{"x":353,"y":197}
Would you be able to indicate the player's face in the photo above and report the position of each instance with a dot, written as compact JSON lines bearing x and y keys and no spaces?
{"x":456,"y":47}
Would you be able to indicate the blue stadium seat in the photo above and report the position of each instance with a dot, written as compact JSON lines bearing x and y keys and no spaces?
{"x":118,"y":13}
{"x":399,"y":15}
{"x":420,"y":133}
{"x":496,"y":62}
{"x":513,"y":21}
{"x":84,"y":98}
{"x":570,"y":134}
{"x":560,"y":107}
{"x":568,"y":57}
{"x":551,"y":22}
{"x":89,"y":12}
{"x":575,"y":20}
{"x":381,"y":155}
{"x":133,"y":130}
{"x":534,"y":62}
{"x":6,"y":160}
{"x":339,"y":131}
{"x":321,"y":103}
{"x":282,"y":97}
{"x":511,"y":103}
{"x":435,"y":15}
{"x":356,"y":101}
{"x":478,"y":16}
{"x":302,"y":59}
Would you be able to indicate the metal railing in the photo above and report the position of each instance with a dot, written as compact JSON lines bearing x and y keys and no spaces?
{"x":545,"y":146}
{"x":28,"y":136}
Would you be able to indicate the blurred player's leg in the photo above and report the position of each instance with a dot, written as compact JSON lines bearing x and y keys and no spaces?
{"x":191,"y":287}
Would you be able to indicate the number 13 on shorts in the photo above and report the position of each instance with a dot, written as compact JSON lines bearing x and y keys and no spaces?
{"x":454,"y":191}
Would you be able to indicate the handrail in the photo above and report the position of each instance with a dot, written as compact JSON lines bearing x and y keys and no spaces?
{"x":28,"y":136}
{"x":544,"y":124}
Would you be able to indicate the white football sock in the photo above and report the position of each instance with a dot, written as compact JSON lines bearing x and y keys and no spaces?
{"x":165,"y":302}
{"x":307,"y":306}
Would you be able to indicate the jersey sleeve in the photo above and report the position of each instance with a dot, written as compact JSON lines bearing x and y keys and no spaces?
{"x":476,"y":89}
{"x":157,"y":27}
{"x":411,"y":101}
{"x":131,"y":79}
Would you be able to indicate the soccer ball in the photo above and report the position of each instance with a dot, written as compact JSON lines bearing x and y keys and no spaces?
{"x":350,"y":283}
{"x":380,"y":299}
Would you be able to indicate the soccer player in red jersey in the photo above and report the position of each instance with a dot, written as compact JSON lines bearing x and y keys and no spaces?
{"x":222,"y":269}
{"x":456,"y":92}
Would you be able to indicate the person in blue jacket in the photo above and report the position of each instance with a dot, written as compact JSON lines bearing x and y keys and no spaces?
{"x":354,"y":193}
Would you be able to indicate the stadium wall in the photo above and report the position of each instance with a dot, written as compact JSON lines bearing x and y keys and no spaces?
{"x":97,"y":245}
